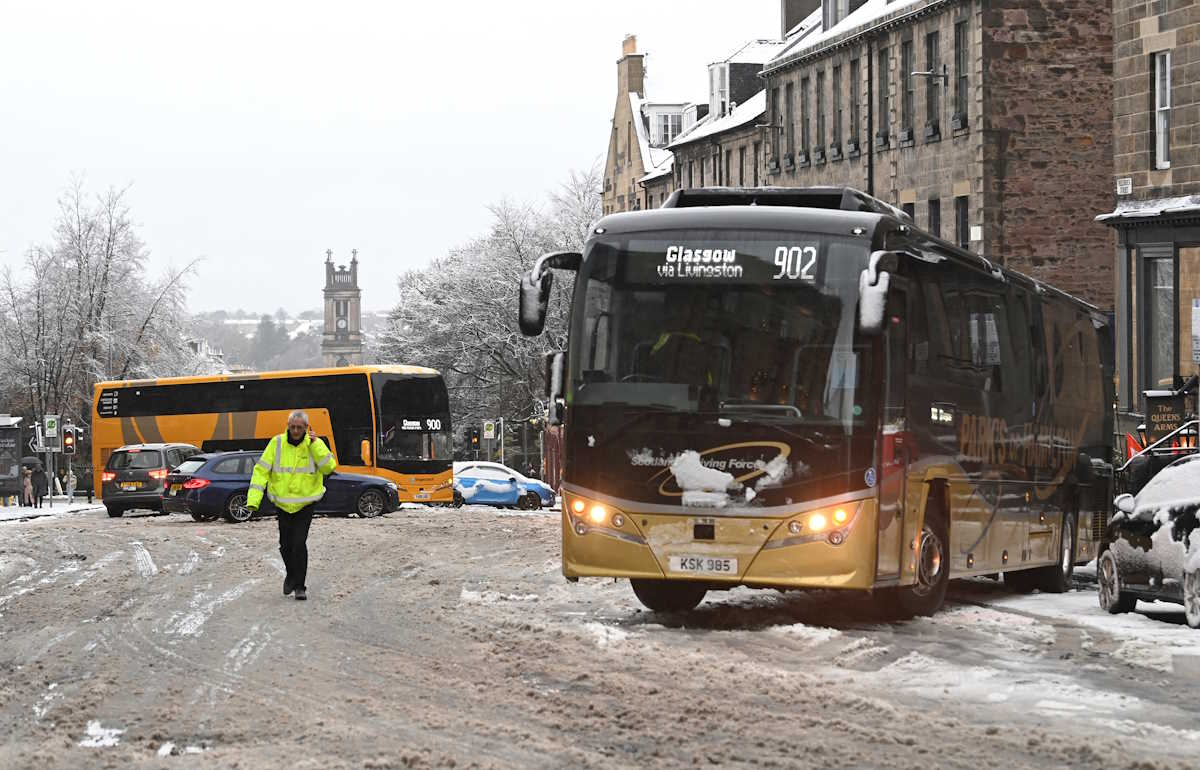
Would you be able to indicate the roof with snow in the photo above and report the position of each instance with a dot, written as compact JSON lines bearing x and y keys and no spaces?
{"x":652,"y":157}
{"x":744,"y":113}
{"x":1186,"y":205}
{"x":808,"y":35}
{"x":755,"y":52}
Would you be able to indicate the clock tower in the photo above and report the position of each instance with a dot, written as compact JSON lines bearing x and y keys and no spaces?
{"x":341,"y":345}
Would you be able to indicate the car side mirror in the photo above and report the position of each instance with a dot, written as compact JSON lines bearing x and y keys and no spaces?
{"x":556,"y":364}
{"x":1124,"y":503}
{"x":873,"y":291}
{"x":512,"y":480}
{"x":534,"y":296}
{"x":364,"y":451}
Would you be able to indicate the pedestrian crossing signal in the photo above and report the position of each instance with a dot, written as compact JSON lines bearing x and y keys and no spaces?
{"x":68,"y":439}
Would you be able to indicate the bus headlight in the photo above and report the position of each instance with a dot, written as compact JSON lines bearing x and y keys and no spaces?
{"x":598,"y":514}
{"x":817,"y":522}
{"x":578,"y":506}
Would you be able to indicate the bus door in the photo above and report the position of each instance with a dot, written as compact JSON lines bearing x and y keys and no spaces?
{"x":896,"y":448}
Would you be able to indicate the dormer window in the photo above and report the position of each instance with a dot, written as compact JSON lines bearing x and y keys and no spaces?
{"x":833,"y":11}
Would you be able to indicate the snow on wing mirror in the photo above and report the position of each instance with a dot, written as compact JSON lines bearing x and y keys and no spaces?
{"x":872,"y":291}
{"x":555,"y":367}
{"x":1124,"y":503}
{"x":534,"y":297}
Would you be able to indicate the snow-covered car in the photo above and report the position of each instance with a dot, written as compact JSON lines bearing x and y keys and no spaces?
{"x":1151,"y":549}
{"x":488,"y":483}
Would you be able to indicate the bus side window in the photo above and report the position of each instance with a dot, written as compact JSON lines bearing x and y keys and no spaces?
{"x":918,"y":334}
{"x":938,"y":324}
{"x":1020,"y":373}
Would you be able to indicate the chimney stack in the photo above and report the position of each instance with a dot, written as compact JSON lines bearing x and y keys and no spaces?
{"x":792,"y":12}
{"x":631,"y":71}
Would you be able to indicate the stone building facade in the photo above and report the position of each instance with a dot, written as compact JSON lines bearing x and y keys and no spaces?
{"x":1001,"y":144}
{"x":341,"y":343}
{"x":631,"y":152}
{"x":1156,"y":214}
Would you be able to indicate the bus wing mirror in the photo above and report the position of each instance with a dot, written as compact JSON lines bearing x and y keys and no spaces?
{"x":556,"y":364}
{"x":534,"y":298}
{"x":1124,"y":503}
{"x":872,"y":291}
{"x":365,"y":451}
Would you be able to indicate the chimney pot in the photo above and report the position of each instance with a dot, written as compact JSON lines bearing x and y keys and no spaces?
{"x":629,"y":45}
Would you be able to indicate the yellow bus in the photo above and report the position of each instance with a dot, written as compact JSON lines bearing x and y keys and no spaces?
{"x":797,"y":388}
{"x":387,"y":421}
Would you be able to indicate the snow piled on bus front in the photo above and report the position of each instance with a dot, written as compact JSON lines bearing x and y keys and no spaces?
{"x":705,"y":487}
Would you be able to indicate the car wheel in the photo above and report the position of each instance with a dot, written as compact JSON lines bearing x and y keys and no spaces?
{"x":1191,"y":597}
{"x":668,"y":595}
{"x":370,"y":504}
{"x":114,"y":511}
{"x":529,"y":502}
{"x":458,"y":500}
{"x":199,"y":516}
{"x":236,"y":510}
{"x":1108,"y":576}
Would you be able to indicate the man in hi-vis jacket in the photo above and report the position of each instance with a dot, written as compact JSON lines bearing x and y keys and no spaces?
{"x":292,"y":473}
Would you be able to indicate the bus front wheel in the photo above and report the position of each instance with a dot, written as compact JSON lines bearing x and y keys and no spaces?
{"x":668,"y":595}
{"x":925,"y":596}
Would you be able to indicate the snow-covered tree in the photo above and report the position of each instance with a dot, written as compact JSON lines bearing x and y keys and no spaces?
{"x":459,"y":314}
{"x":85,"y":309}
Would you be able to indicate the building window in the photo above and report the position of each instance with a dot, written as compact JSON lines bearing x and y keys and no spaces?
{"x":1159,"y":335}
{"x":935,"y":216}
{"x":669,"y":126}
{"x":629,"y":145}
{"x":821,"y":111}
{"x":776,"y":124}
{"x":855,"y":103}
{"x":962,"y":227}
{"x":742,"y":166}
{"x":906,"y":78}
{"x":910,"y":209}
{"x":837,"y":107}
{"x":691,"y":173}
{"x":804,"y":116}
{"x":716,"y":167}
{"x":933,"y":97}
{"x":728,"y":164}
{"x":1162,"y":109}
{"x":790,"y":105}
{"x":754,"y":166}
{"x":961,"y":63}
{"x":882,"y":82}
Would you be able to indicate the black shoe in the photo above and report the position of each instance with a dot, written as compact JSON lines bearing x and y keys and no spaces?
{"x":301,"y":594}
{"x":287,"y":586}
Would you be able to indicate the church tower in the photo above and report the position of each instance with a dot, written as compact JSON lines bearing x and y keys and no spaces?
{"x":341,"y":345}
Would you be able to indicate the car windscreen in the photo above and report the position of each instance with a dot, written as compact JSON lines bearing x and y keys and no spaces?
{"x":190,"y":466}
{"x":143,"y":459}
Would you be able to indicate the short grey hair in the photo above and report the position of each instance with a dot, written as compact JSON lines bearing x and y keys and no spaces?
{"x":298,"y":413}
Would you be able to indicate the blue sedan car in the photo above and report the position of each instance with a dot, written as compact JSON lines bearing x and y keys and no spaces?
{"x":211,"y":485}
{"x":487,"y":483}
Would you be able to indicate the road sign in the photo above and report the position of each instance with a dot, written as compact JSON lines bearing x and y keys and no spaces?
{"x":51,"y":434}
{"x":489,"y":429}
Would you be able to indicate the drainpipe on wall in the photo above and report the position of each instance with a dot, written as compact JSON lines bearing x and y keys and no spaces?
{"x":870,"y":117}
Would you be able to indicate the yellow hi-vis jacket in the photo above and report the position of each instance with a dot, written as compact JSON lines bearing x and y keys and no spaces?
{"x":291,"y":476}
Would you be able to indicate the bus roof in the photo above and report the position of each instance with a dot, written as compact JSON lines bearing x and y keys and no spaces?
{"x":279,"y":375}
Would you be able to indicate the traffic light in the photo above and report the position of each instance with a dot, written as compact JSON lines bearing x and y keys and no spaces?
{"x":473,"y":437}
{"x":68,"y":440}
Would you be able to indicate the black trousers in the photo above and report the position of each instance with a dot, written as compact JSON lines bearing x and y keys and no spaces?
{"x":293,"y":543}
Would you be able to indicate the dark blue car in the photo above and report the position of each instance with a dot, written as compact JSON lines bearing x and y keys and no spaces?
{"x":211,"y":485}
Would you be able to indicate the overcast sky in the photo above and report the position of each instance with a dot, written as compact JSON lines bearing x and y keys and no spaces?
{"x":256,"y":135}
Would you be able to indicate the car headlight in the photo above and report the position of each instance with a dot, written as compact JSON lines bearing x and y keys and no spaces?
{"x":392,"y":486}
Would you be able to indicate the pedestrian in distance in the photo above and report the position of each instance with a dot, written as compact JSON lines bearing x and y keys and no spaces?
{"x":27,"y":487}
{"x":291,"y":473}
{"x":41,"y":487}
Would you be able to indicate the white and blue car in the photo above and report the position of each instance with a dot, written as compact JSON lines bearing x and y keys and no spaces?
{"x":488,"y":483}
